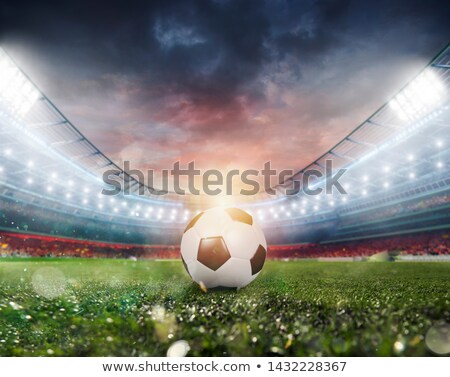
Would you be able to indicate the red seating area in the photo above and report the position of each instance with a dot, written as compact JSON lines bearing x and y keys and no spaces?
{"x":417,"y":244}
{"x":17,"y":244}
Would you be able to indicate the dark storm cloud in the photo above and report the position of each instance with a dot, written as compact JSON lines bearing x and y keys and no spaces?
{"x":221,"y":81}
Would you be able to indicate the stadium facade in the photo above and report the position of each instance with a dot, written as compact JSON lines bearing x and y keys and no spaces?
{"x":397,"y":179}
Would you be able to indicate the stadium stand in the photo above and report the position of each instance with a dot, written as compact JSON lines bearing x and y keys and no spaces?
{"x":26,"y":245}
{"x":397,"y":180}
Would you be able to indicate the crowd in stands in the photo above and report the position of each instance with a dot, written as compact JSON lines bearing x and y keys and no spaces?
{"x":16,"y":244}
{"x":26,"y":245}
{"x":436,"y":243}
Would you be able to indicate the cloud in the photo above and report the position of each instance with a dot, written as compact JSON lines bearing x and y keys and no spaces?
{"x":227,"y":83}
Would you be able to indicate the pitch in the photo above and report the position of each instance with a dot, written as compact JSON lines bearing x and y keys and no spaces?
{"x":95,"y":307}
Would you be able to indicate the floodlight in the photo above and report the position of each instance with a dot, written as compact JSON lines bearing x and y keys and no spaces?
{"x":17,"y":93}
{"x":420,"y":97}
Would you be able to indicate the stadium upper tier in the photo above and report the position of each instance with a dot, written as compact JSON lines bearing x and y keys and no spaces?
{"x":400,"y":152}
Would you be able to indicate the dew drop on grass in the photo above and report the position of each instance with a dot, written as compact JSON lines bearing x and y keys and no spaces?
{"x":178,"y":349}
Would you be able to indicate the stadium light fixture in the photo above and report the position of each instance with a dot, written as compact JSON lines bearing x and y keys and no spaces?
{"x":85,"y":201}
{"x":421,"y":96}
{"x":440,"y":164}
{"x":8,"y":152}
{"x":439,"y":143}
{"x":364,"y":192}
{"x":386,"y":185}
{"x":17,"y":93}
{"x":412,"y":175}
{"x":410,"y":157}
{"x":303,"y":211}
{"x":29,"y":180}
{"x":365,"y":178}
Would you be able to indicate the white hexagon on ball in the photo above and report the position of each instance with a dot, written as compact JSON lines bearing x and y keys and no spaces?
{"x":223,"y":247}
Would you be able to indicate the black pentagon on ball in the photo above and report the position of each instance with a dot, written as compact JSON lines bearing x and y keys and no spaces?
{"x":239,"y":215}
{"x":213,"y":252}
{"x":257,"y":261}
{"x":193,"y":222}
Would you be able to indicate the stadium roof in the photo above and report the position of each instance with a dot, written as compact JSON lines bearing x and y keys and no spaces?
{"x":403,"y":146}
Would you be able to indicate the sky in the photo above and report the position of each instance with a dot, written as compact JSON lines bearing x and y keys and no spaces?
{"x":227,"y":84}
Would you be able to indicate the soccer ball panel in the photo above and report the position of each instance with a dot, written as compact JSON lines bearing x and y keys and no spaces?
{"x":202,"y":274}
{"x":241,"y":240}
{"x":212,"y":223}
{"x":189,"y":245}
{"x":257,"y":261}
{"x":235,"y":273}
{"x":239,"y":215}
{"x":188,"y":266}
{"x":260,"y":235}
{"x":213,"y":252}
{"x":193,"y":222}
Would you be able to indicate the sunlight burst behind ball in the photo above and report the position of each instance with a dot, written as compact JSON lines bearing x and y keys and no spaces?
{"x":223,"y":247}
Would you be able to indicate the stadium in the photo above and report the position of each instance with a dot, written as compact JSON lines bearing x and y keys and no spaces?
{"x":364,"y":273}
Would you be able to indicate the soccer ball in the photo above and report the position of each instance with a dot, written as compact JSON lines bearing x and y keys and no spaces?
{"x":223,"y":247}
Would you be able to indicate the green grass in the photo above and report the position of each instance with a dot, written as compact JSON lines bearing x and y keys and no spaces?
{"x":126,"y":308}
